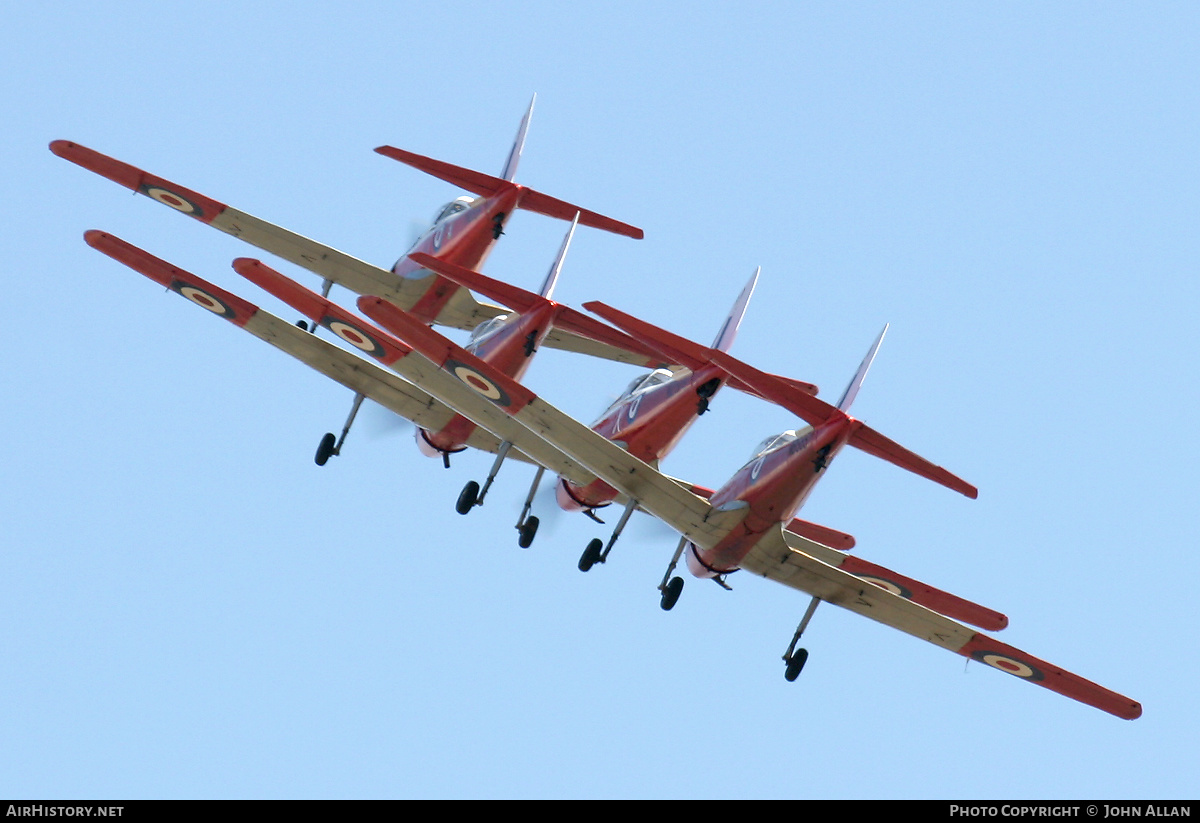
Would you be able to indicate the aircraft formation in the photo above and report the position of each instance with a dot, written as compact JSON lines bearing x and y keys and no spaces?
{"x":471,"y":396}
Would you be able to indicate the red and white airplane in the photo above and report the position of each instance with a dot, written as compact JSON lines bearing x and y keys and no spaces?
{"x":649,"y":418}
{"x":444,"y":396}
{"x":463,"y":233}
{"x":745,"y":523}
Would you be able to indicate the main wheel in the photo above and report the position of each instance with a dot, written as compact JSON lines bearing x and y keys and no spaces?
{"x":671,"y":593}
{"x":467,"y":497}
{"x":527,"y":531}
{"x":325,"y":449}
{"x":591,"y":555}
{"x":795,"y":664}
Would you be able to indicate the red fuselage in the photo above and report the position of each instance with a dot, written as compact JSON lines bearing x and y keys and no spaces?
{"x":648,"y":424}
{"x":771,"y":488}
{"x":464,"y":239}
{"x":509,"y":349}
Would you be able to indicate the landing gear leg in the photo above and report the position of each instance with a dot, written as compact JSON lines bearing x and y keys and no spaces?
{"x":472,"y":495}
{"x":527,"y":526}
{"x":330,"y":447}
{"x":793,"y":657}
{"x":597,"y":552}
{"x":672,"y":587}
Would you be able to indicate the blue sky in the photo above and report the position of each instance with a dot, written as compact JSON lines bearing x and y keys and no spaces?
{"x":193,"y":609}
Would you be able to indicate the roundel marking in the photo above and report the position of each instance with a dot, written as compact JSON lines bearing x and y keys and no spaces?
{"x":204,"y":300}
{"x":170,"y":198}
{"x":477,"y":382}
{"x":1008,"y":664}
{"x":354,"y":336}
{"x":887,"y":584}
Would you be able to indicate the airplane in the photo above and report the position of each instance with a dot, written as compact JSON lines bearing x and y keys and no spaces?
{"x":444,"y":396}
{"x":744,"y":524}
{"x":507,"y":342}
{"x":463,"y":232}
{"x":649,"y":418}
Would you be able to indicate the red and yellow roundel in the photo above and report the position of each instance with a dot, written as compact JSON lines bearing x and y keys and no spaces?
{"x":894,"y":588}
{"x":477,"y":382}
{"x":353,"y":335}
{"x":170,"y":198}
{"x":204,"y":299}
{"x":1007,"y":663}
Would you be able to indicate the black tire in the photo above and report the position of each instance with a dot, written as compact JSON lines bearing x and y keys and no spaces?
{"x":795,"y":664}
{"x":528,"y":530}
{"x":591,"y":554}
{"x":325,"y":449}
{"x":671,"y":594}
{"x":467,"y":497}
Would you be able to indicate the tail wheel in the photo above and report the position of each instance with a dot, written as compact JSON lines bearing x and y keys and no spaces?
{"x":671,"y":593}
{"x":795,"y":664}
{"x":325,"y":449}
{"x":591,"y":555}
{"x":467,"y":497}
{"x":527,"y":531}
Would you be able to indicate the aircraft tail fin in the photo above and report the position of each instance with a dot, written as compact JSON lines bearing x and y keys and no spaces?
{"x":551,"y":280}
{"x":523,"y":301}
{"x":680,"y":350}
{"x":788,"y":393}
{"x":729,"y":329}
{"x":859,"y":376}
{"x":514,"y":155}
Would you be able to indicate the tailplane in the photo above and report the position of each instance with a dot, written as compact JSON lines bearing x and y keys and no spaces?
{"x":788,"y":394}
{"x":486,"y":185}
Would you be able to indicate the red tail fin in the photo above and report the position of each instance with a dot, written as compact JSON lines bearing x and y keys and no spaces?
{"x":780,"y":391}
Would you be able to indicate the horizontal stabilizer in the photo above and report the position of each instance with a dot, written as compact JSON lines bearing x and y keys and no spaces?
{"x":680,"y":350}
{"x":523,"y":301}
{"x":486,"y":185}
{"x":791,"y":397}
{"x":874,"y":443}
{"x":475,"y":182}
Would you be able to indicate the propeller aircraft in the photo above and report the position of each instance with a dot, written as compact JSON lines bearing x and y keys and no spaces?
{"x":749,"y":523}
{"x":463,"y":233}
{"x":745,"y":523}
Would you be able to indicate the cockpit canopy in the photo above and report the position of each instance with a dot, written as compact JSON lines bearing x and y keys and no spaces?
{"x":646,"y":381}
{"x":486,"y":329}
{"x":641,"y":384}
{"x":778,"y":441}
{"x":454,"y":207}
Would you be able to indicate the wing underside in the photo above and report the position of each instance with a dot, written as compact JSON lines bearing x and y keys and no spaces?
{"x":462,"y":311}
{"x":392,"y":389}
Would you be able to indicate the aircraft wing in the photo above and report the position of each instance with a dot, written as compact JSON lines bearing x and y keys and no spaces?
{"x":777,"y":557}
{"x":792,"y":560}
{"x":463,"y":311}
{"x":381,"y":385}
